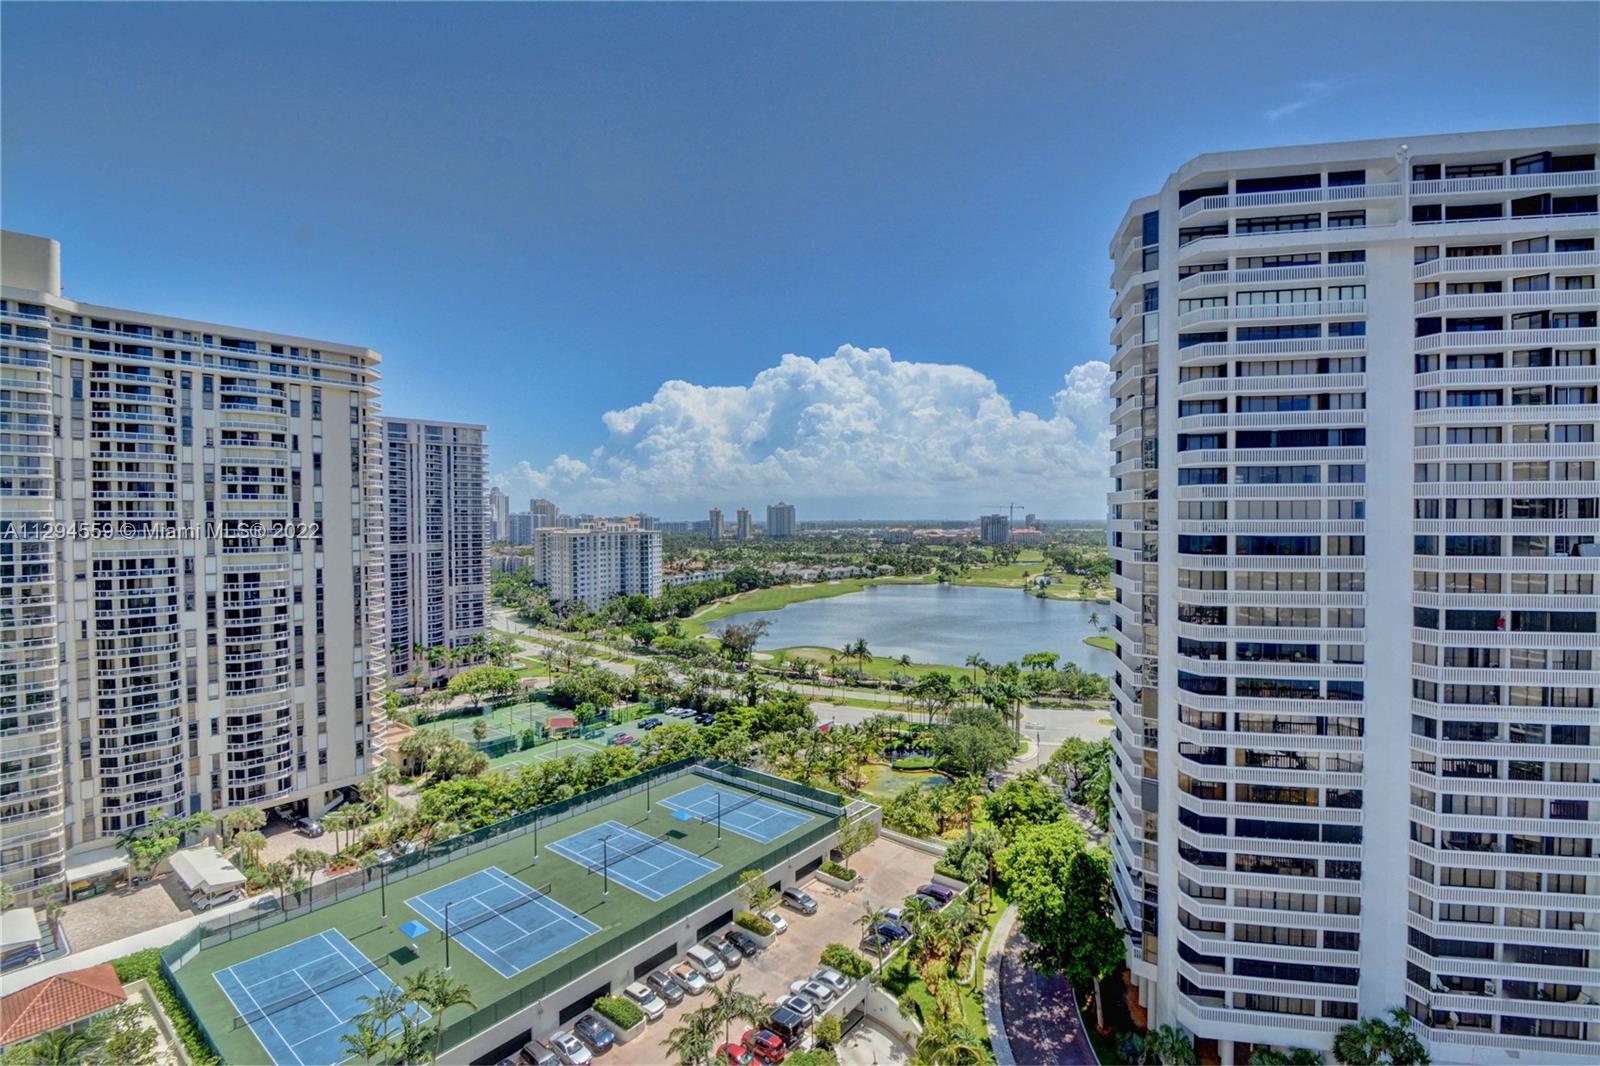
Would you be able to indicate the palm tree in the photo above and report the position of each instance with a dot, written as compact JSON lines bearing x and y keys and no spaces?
{"x":692,"y":1040}
{"x":943,"y":1044}
{"x":367,"y":1041}
{"x":869,"y":919}
{"x":438,"y":992}
{"x":251,"y":844}
{"x":1373,"y":1040}
{"x":729,"y":1005}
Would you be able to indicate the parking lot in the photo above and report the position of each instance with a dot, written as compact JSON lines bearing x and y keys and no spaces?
{"x":890,"y":872}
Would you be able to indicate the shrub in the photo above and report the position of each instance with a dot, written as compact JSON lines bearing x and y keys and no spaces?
{"x":813,"y":1057}
{"x":624,"y":1013}
{"x":146,"y":964}
{"x":833,"y":869}
{"x":529,"y":739}
{"x":846,"y":961}
{"x":947,"y":868}
{"x":755,"y":923}
{"x":913,"y":762}
{"x":829,"y":1031}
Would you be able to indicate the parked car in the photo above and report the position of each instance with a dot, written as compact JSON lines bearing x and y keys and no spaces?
{"x":705,"y":960}
{"x":894,"y":914}
{"x":308,"y":827}
{"x":768,"y":1046}
{"x":892,"y":930}
{"x":778,"y":924}
{"x":827,"y":975}
{"x":815,"y":991}
{"x":943,"y":893}
{"x":537,"y":1053}
{"x":661,"y":983}
{"x":877,"y":945}
{"x":596,"y":1033}
{"x":569,"y":1049}
{"x":742,"y":940}
{"x":649,"y":723}
{"x":622,"y":740}
{"x":726,"y":950}
{"x":800,"y":1005}
{"x":797,"y":900}
{"x":787,"y":1026}
{"x":691,"y":980}
{"x":203,"y":902}
{"x":646,"y":1000}
{"x":933,"y":903}
{"x":735,"y":1055}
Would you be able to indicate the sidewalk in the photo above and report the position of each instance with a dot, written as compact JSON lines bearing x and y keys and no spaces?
{"x":1040,"y":1013}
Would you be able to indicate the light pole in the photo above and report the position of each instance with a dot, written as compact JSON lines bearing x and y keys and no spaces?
{"x":447,"y":937}
{"x":605,"y":866}
{"x":383,"y":889}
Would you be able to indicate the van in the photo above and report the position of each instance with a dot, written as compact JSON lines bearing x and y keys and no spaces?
{"x":706,"y":961}
{"x":538,"y":1053}
{"x":795,"y":899}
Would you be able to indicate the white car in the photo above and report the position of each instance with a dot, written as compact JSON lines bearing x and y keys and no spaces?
{"x":778,"y":924}
{"x":815,"y":991}
{"x":646,"y":1000}
{"x":569,"y":1049}
{"x":689,"y":978}
{"x":827,"y":975}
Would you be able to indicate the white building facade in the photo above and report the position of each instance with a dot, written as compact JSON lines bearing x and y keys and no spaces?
{"x":593,"y":564}
{"x":438,"y":537}
{"x":1353,"y":521}
{"x":192,"y":596}
{"x":780,"y":520}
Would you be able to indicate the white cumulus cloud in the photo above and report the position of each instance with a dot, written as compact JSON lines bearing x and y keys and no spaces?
{"x":854,"y":434}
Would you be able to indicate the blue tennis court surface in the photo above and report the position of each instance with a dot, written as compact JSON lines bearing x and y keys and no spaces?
{"x":651,"y":867}
{"x":741,"y":813}
{"x":501,"y":920}
{"x":301,"y":999}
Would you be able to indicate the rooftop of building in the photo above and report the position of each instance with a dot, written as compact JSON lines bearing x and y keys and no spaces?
{"x":59,"y":1000}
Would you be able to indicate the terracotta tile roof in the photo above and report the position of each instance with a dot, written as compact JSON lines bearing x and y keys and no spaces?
{"x":59,"y":1000}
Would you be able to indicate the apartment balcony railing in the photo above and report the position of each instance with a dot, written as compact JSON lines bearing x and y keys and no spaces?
{"x":1572,"y":179}
{"x":1260,"y":312}
{"x":1518,"y":263}
{"x":1545,"y":298}
{"x":1505,"y":338}
{"x":1329,"y":194}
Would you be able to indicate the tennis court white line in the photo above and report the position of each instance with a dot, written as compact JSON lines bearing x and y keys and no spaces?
{"x":298,"y":1061}
{"x":501,"y":879}
{"x":546,"y":904}
{"x":340,"y":945}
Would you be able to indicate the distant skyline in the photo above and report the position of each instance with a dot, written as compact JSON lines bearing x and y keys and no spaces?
{"x":666,"y":251}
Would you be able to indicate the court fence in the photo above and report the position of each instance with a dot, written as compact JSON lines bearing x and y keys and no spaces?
{"x":174,"y":956}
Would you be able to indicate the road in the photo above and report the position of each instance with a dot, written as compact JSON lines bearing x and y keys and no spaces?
{"x":1047,"y":727}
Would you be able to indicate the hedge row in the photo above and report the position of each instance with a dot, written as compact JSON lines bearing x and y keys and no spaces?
{"x":834,"y":869}
{"x":147,"y":965}
{"x":624,"y":1012}
{"x":754,"y":922}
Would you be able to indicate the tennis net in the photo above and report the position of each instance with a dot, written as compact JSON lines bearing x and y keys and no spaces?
{"x":278,"y":1006}
{"x":459,"y":926}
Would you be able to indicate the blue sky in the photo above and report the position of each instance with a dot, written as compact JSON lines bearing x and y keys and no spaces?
{"x":604,"y":227}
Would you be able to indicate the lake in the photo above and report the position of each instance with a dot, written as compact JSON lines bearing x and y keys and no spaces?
{"x":940,"y":624}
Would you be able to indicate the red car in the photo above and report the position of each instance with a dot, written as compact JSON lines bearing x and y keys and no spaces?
{"x":734,"y":1055}
{"x":767,"y":1046}
{"x":622,"y":739}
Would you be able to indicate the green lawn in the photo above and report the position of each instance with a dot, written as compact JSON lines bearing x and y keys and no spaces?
{"x":783,"y":595}
{"x":883,"y":783}
{"x":876,"y":665}
{"x":359,"y":918}
{"x":1101,"y":642}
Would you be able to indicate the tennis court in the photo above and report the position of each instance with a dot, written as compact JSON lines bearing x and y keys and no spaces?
{"x":501,"y":920}
{"x":743,"y":813}
{"x":301,"y":999}
{"x":649,"y":865}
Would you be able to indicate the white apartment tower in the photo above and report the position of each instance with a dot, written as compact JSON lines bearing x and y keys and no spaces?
{"x":191,"y":590}
{"x":743,"y":529}
{"x":438,"y":573}
{"x":1354,"y":522}
{"x":592,"y":564}
{"x":780,"y":519}
{"x":497,"y":509}
{"x":545,"y":513}
{"x":714,"y":525}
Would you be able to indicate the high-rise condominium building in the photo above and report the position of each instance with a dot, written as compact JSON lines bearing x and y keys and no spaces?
{"x":1354,"y":523}
{"x":498,"y":508}
{"x":994,"y":529}
{"x":545,"y":514}
{"x":191,"y":570}
{"x":780,"y":519}
{"x":438,"y":574}
{"x":596,"y":563}
{"x":519,"y":529}
{"x":743,"y":529}
{"x":714,"y":527}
